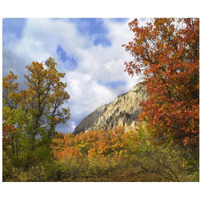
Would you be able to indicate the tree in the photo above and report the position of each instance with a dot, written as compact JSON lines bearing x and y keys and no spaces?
{"x":166,"y":54}
{"x":31,"y":115}
{"x":14,"y":120}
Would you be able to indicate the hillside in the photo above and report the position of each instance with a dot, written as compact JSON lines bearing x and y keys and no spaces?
{"x":123,"y":111}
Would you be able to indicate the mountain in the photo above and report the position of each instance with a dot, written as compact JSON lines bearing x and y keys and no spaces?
{"x":89,"y":121}
{"x":123,"y":111}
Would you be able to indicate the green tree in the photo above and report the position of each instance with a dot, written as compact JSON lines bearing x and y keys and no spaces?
{"x":31,"y":115}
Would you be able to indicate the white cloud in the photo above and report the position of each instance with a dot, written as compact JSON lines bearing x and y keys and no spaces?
{"x":40,"y":40}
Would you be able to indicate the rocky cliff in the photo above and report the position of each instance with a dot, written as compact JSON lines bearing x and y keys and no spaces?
{"x":123,"y":111}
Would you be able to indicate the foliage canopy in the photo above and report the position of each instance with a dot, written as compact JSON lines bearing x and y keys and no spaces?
{"x":31,"y":115}
{"x":166,"y":54}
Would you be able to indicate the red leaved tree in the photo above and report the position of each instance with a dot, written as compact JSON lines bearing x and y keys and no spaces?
{"x":166,"y":54}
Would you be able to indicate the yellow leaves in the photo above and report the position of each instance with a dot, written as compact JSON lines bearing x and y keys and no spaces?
{"x":92,"y":153}
{"x":9,"y":85}
{"x":117,"y":146}
{"x":103,"y":149}
{"x":96,"y":143}
{"x":50,"y":63}
{"x":10,"y":77}
{"x":57,"y":119}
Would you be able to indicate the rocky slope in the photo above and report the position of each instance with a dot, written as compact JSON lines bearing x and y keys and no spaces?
{"x":89,"y":121}
{"x":123,"y":111}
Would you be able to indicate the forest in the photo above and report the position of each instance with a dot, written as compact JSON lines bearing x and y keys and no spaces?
{"x":164,"y":147}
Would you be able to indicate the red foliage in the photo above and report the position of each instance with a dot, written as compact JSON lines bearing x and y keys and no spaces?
{"x":166,"y":54}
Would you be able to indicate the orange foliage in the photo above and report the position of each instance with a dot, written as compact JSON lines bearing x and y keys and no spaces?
{"x":166,"y":53}
{"x":92,"y":143}
{"x":69,"y":152}
{"x":8,"y":132}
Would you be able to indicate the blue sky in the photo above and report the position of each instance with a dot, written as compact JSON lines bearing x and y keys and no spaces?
{"x":112,"y":84}
{"x":94,"y":29}
{"x":13,"y":25}
{"x":88,"y":50}
{"x":63,"y":56}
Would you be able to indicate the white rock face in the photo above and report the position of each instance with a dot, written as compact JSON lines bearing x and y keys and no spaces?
{"x":123,"y":111}
{"x":88,"y":122}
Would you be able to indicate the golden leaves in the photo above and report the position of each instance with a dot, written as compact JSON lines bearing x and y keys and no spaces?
{"x":93,"y":143}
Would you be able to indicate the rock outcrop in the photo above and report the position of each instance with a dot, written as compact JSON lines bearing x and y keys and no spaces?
{"x":89,"y":121}
{"x":123,"y":111}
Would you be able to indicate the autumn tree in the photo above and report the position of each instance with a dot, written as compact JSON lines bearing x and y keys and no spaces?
{"x":31,"y":115}
{"x":14,"y":120}
{"x":166,"y":55}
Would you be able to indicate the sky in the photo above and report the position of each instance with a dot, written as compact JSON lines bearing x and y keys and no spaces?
{"x":88,"y":50}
